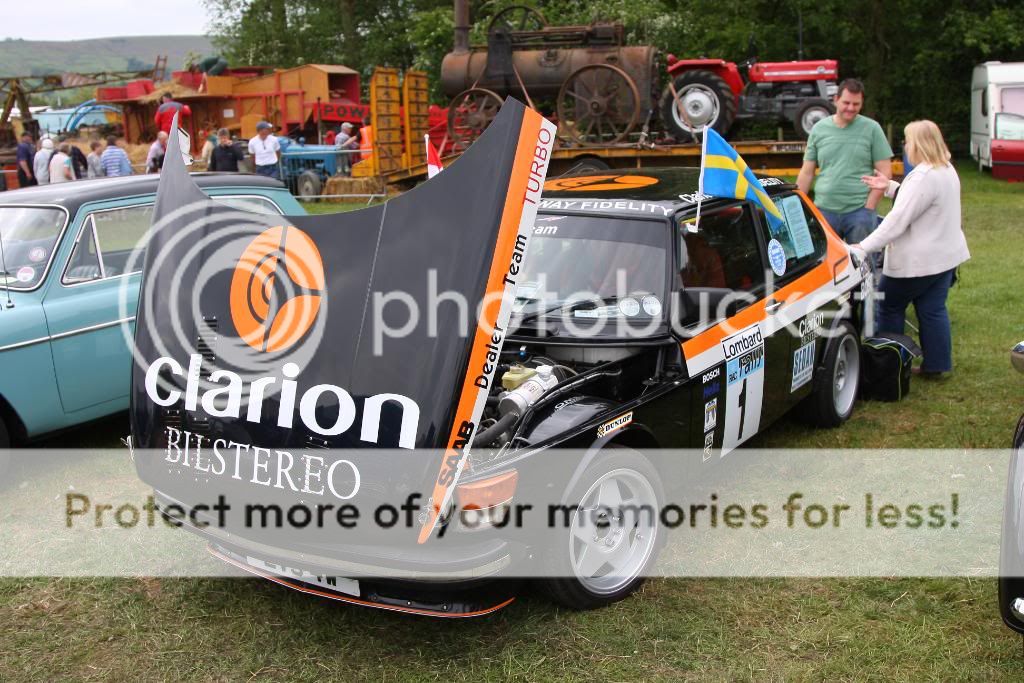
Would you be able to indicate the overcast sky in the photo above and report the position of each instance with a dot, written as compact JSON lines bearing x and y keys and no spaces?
{"x":80,"y":19}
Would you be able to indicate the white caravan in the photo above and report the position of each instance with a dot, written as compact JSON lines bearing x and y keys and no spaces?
{"x":997,"y":116}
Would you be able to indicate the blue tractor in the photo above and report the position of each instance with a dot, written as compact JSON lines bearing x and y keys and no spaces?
{"x":305,"y":168}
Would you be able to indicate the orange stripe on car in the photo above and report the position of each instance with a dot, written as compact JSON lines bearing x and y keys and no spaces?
{"x":509,"y":230}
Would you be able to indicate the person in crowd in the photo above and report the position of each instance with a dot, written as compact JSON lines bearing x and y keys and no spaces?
{"x":115,"y":160}
{"x":157,"y":151}
{"x":24,"y":157}
{"x":846,"y":146}
{"x":924,"y":244}
{"x":348,"y":141}
{"x":226,"y":155}
{"x":209,"y":144}
{"x":93,"y":162}
{"x":330,"y":136}
{"x":41,"y":161}
{"x":60,"y":165}
{"x":164,"y":116}
{"x":79,"y":165}
{"x":264,"y":148}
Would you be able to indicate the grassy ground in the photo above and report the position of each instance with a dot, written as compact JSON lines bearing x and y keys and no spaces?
{"x":836,"y":629}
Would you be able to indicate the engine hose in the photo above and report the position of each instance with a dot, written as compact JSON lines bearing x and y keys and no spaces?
{"x":559,"y":390}
{"x":489,"y":435}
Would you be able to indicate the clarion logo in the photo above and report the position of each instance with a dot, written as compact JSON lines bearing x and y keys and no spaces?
{"x":225,"y":400}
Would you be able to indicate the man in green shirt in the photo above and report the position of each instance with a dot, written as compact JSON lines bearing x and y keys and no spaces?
{"x":846,"y":146}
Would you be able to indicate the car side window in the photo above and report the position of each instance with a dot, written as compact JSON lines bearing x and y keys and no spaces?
{"x":85,"y":259}
{"x":109,"y":245}
{"x":252,"y":203}
{"x":722,"y":251}
{"x":799,"y":233}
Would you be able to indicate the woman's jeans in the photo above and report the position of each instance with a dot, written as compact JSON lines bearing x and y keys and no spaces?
{"x":928,"y":294}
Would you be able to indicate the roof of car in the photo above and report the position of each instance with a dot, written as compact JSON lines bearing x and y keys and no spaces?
{"x":74,"y":194}
{"x":650,"y":191}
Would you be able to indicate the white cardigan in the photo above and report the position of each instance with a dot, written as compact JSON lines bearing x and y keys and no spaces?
{"x":922,"y":234}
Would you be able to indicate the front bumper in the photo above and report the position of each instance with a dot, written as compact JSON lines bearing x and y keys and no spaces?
{"x":446,"y":580}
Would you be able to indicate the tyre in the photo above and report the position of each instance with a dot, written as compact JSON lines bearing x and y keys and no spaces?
{"x":603,"y":557}
{"x":309,"y":184}
{"x":706,"y":99}
{"x":836,"y":381}
{"x":809,"y":113}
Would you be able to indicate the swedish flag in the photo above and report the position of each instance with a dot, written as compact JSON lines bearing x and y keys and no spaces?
{"x":723,"y":173}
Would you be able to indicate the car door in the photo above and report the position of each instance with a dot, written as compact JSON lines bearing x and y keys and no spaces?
{"x":91,"y":310}
{"x":91,"y":314}
{"x":728,"y":344}
{"x":796,"y":246}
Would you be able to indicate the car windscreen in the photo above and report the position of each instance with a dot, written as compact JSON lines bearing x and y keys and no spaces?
{"x":28,"y":236}
{"x":586,"y":267}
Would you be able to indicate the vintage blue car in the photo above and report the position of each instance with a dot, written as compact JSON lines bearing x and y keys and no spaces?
{"x":67,"y":306}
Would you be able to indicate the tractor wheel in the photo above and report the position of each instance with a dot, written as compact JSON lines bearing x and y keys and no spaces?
{"x":702,"y":98}
{"x":309,"y":184}
{"x":809,"y":113}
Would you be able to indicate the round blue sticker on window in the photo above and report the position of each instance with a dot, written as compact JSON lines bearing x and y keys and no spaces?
{"x":777,"y":257}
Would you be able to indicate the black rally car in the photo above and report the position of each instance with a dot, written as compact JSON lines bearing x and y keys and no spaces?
{"x":626,"y":326}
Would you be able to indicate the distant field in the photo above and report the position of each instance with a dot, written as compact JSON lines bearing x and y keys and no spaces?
{"x":125,"y":53}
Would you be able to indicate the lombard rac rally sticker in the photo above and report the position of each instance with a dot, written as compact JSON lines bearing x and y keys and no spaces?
{"x":744,"y":375}
{"x":25,"y":274}
{"x":615,"y":425}
{"x":777,"y":257}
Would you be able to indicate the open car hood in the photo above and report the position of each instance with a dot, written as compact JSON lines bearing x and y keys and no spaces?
{"x":266,"y":331}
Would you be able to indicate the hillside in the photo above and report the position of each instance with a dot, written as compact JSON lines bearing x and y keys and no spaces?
{"x":36,"y":57}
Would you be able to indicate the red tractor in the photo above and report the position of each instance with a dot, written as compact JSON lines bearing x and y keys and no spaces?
{"x":711,"y":92}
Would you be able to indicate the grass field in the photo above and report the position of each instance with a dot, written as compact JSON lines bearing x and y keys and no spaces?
{"x":674,"y":629}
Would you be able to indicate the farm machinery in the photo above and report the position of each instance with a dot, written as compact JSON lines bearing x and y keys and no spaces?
{"x":711,"y":92}
{"x":597,"y":88}
{"x":601,"y":91}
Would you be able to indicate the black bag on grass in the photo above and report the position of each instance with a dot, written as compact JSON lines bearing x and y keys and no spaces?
{"x":885,"y":366}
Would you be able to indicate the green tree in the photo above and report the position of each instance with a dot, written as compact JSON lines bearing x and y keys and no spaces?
{"x":915,"y":56}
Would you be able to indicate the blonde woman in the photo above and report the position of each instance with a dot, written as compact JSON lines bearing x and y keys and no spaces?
{"x":924,"y":244}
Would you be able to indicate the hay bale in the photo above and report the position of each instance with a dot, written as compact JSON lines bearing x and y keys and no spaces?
{"x":343,"y":185}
